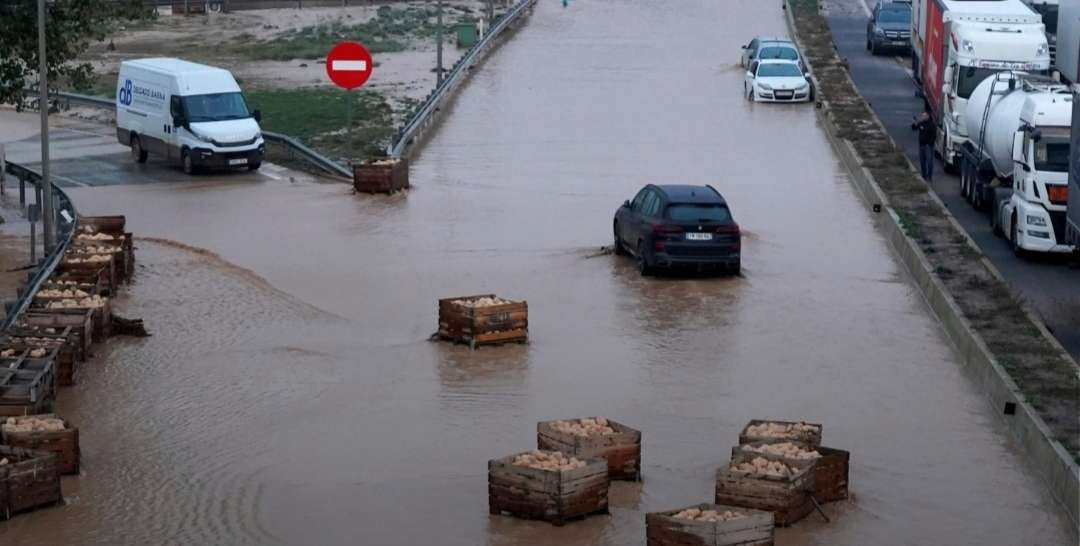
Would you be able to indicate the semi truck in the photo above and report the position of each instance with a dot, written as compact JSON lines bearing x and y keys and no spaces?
{"x":1068,"y":62}
{"x":1048,"y":9}
{"x":958,"y":43}
{"x":1017,"y":160}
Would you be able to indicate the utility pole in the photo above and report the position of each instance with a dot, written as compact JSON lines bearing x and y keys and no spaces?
{"x":49,"y":220}
{"x":438,"y":43}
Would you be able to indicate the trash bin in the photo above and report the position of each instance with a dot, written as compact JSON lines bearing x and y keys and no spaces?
{"x":467,"y":34}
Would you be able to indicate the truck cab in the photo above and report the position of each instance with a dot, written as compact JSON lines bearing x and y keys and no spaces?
{"x":973,"y":51}
{"x":1033,"y":219}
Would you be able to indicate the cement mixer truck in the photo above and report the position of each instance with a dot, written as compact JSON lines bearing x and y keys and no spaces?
{"x":1016,"y":162}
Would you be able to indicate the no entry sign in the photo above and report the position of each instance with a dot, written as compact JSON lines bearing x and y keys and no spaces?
{"x":349,"y":65}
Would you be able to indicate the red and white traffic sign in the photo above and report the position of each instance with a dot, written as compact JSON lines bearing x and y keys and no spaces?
{"x":349,"y":65}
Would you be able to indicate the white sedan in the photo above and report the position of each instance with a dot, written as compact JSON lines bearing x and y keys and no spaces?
{"x":776,"y":80}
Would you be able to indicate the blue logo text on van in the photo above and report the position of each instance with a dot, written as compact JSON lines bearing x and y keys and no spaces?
{"x":125,"y":93}
{"x":148,"y":93}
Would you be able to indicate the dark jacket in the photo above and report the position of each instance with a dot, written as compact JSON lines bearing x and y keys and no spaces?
{"x":927,"y":131}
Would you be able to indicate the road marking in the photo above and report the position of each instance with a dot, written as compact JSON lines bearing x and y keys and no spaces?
{"x":349,"y":66}
{"x":272,"y":176}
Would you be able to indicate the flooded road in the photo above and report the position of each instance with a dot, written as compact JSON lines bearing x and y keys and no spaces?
{"x":289,"y":394}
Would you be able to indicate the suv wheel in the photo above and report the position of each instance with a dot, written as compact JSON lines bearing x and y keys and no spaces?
{"x":642,"y":260}
{"x":618,"y":248}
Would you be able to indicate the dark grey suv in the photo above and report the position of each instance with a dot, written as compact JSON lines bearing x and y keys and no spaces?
{"x":889,"y":27}
{"x":669,"y":226}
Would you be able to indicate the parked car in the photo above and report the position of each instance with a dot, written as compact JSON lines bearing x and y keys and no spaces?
{"x":889,"y":27}
{"x":775,"y":80}
{"x":769,"y":47}
{"x":670,"y":226}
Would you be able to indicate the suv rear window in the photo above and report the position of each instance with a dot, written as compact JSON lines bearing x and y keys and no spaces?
{"x":699,"y":213}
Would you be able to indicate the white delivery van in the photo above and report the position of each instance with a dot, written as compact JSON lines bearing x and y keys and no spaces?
{"x":186,"y":112}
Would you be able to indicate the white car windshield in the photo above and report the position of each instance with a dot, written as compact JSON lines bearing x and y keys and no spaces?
{"x":778,"y":70}
{"x":779,"y":52}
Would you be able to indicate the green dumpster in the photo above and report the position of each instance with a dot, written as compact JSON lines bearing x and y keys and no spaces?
{"x":467,"y":34}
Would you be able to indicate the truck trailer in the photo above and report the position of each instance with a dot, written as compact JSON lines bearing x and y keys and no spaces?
{"x":1017,"y":161}
{"x":956,"y":44}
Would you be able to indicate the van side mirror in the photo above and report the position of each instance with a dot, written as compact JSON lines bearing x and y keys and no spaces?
{"x":745,"y":46}
{"x":178,"y":121}
{"x":626,"y":204}
{"x":257,"y":115}
{"x":750,"y":75}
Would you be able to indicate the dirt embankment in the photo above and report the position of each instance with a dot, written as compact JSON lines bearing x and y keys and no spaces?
{"x":1049,"y":381}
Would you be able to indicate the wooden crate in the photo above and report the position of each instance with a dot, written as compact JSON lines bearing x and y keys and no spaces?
{"x":756,"y":529}
{"x":492,"y":325}
{"x":61,"y":345}
{"x":101,"y":317}
{"x":812,"y":439}
{"x":106,"y":272}
{"x":119,"y":254}
{"x":64,"y":443}
{"x":381,"y":175}
{"x":81,"y":322}
{"x":621,"y":450}
{"x":27,"y":386}
{"x":547,"y":495}
{"x":99,"y":278}
{"x":787,"y":498}
{"x":830,"y":481}
{"x":31,"y":479}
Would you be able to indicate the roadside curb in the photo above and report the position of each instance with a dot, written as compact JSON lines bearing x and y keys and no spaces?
{"x":1051,"y":460}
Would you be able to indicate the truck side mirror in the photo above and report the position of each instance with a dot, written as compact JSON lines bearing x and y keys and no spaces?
{"x":257,"y":115}
{"x":1036,"y":135}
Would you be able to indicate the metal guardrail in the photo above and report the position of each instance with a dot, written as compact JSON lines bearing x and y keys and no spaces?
{"x":65,"y":231}
{"x":294,"y":146}
{"x":407,"y":133}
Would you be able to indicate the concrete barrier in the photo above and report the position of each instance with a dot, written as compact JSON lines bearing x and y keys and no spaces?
{"x":1056,"y":466}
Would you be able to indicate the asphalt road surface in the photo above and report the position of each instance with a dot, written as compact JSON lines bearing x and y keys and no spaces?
{"x":1048,"y":284}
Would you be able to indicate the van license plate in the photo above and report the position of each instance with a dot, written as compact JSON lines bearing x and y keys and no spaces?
{"x":241,"y":161}
{"x":699,"y":236}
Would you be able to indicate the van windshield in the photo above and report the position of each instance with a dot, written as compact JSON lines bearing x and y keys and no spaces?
{"x":215,"y":107}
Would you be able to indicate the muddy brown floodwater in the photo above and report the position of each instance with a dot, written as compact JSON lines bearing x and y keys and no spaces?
{"x":289,"y":395}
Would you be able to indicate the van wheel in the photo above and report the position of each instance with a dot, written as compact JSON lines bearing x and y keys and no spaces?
{"x":137,"y":151}
{"x":185,"y":160}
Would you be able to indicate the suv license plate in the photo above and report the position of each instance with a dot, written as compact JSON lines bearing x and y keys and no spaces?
{"x":241,"y":161}
{"x":699,"y":236}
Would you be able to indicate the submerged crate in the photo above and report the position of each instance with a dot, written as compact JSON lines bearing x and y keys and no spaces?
{"x":29,"y":480}
{"x":755,"y":529}
{"x":830,"y":470}
{"x":104,"y":271}
{"x":96,"y":277}
{"x":64,"y":443}
{"x":621,"y":450}
{"x":487,"y":325}
{"x":812,"y":437}
{"x":549,"y":495}
{"x":788,"y":498}
{"x":381,"y":175}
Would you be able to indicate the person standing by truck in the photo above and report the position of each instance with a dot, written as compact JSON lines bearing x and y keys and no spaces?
{"x":927,"y":136}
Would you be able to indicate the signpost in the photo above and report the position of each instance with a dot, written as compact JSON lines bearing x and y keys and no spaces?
{"x":349,"y":66}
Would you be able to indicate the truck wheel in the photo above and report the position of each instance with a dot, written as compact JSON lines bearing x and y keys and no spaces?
{"x":185,"y":160}
{"x":137,"y":151}
{"x":1019,"y":252}
{"x":995,"y":220}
